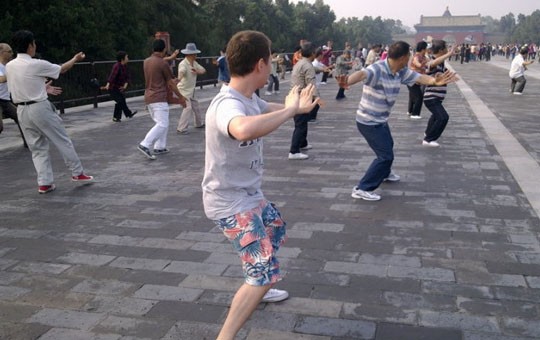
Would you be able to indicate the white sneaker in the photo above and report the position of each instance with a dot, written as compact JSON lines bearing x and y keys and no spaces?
{"x":268,"y":93}
{"x":365,"y":195}
{"x":275,"y":295}
{"x":307,"y":147}
{"x":517,"y":93}
{"x":415,"y":117}
{"x":432,"y":144}
{"x":298,"y":156}
{"x":392,"y":177}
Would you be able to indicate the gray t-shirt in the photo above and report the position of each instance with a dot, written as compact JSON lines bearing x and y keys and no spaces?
{"x":233,"y":169}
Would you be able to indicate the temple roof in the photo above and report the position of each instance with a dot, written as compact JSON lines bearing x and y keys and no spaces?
{"x":447,"y":13}
{"x":448,"y":20}
{"x":460,"y":20}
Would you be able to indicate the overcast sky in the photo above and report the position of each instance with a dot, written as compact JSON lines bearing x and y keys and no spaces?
{"x":405,"y":10}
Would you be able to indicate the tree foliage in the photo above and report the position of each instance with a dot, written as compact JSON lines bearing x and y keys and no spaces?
{"x":102,"y":27}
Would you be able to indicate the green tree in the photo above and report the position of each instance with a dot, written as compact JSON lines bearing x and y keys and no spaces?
{"x":528,"y":28}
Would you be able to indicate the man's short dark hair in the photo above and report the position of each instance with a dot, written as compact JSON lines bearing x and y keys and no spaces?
{"x":120,"y":55}
{"x":158,"y":45}
{"x":308,"y":49}
{"x":244,"y":51}
{"x":21,"y":40}
{"x":398,"y":50}
{"x":438,"y":45}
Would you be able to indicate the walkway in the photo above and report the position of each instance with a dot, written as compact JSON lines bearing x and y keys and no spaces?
{"x":450,"y":252}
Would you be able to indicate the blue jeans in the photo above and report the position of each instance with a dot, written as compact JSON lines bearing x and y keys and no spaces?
{"x":379,"y":139}
{"x":438,"y":120}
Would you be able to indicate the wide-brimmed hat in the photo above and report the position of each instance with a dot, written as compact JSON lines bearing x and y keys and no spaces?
{"x":191,"y":48}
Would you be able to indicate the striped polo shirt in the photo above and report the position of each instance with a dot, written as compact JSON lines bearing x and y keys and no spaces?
{"x":436,"y":92}
{"x":380,"y":91}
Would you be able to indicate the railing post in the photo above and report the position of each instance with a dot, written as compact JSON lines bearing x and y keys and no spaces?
{"x":62,"y":106}
{"x":96,"y":93}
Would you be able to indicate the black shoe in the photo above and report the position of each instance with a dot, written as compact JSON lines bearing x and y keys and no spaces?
{"x":160,"y":151}
{"x":133,"y":114}
{"x":116,"y":120}
{"x":200,"y":126}
{"x":146,"y":151}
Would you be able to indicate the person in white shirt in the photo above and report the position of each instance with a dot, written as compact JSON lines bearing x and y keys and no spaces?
{"x":517,"y":71}
{"x":41,"y":125}
{"x":188,"y":70}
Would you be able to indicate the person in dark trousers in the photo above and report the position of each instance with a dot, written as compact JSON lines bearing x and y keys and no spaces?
{"x":434,"y":95}
{"x":517,"y":71}
{"x":303,"y":74}
{"x":382,"y":82}
{"x":117,"y":84}
{"x":416,"y":91}
{"x":7,"y":108}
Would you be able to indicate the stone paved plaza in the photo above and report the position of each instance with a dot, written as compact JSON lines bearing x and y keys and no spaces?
{"x":451,"y":251}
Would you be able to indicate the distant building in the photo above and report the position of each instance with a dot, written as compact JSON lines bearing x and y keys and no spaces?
{"x":458,"y":29}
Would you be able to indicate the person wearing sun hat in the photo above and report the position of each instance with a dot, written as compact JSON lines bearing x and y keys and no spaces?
{"x":188,"y":70}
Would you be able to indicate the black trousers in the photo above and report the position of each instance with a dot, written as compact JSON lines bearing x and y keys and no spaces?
{"x":9,"y":110}
{"x":416,"y":97}
{"x":325,"y":76}
{"x":313,"y":113}
{"x":438,"y":120}
{"x":121,"y":105}
{"x":299,"y":137}
{"x":341,"y":93}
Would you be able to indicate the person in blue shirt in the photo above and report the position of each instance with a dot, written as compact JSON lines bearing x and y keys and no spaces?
{"x":382,"y":81}
{"x":223,"y":68}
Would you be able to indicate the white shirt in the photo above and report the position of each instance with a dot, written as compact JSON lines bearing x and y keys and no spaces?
{"x":517,"y":69}
{"x":4,"y":93}
{"x":319,"y":69}
{"x":233,"y":169}
{"x":26,"y":78}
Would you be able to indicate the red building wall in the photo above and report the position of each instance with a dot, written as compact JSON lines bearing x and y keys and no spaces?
{"x":454,"y":37}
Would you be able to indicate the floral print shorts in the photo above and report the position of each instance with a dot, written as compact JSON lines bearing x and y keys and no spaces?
{"x":256,"y":235}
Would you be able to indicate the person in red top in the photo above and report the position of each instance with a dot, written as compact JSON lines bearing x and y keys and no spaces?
{"x":326,"y":55}
{"x":158,"y":77}
{"x":117,"y":84}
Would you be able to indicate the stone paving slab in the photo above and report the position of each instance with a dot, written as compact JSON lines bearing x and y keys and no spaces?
{"x":450,"y":252}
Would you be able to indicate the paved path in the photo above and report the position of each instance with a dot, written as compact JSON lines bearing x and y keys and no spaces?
{"x":450,"y":252}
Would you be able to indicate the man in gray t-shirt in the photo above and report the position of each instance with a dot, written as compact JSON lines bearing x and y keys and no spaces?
{"x":231,"y":186}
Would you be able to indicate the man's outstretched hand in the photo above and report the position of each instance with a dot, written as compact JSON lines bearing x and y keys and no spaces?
{"x":302,"y":100}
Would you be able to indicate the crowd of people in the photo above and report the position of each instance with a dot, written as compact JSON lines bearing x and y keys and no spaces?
{"x":237,"y":120}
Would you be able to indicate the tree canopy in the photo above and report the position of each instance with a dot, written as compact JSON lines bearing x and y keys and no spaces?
{"x":102,"y":27}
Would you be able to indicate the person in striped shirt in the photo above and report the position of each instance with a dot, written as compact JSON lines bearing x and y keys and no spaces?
{"x":435,"y":94}
{"x":382,"y":81}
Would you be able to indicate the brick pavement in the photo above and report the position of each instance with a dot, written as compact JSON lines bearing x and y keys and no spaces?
{"x":451,"y":252}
